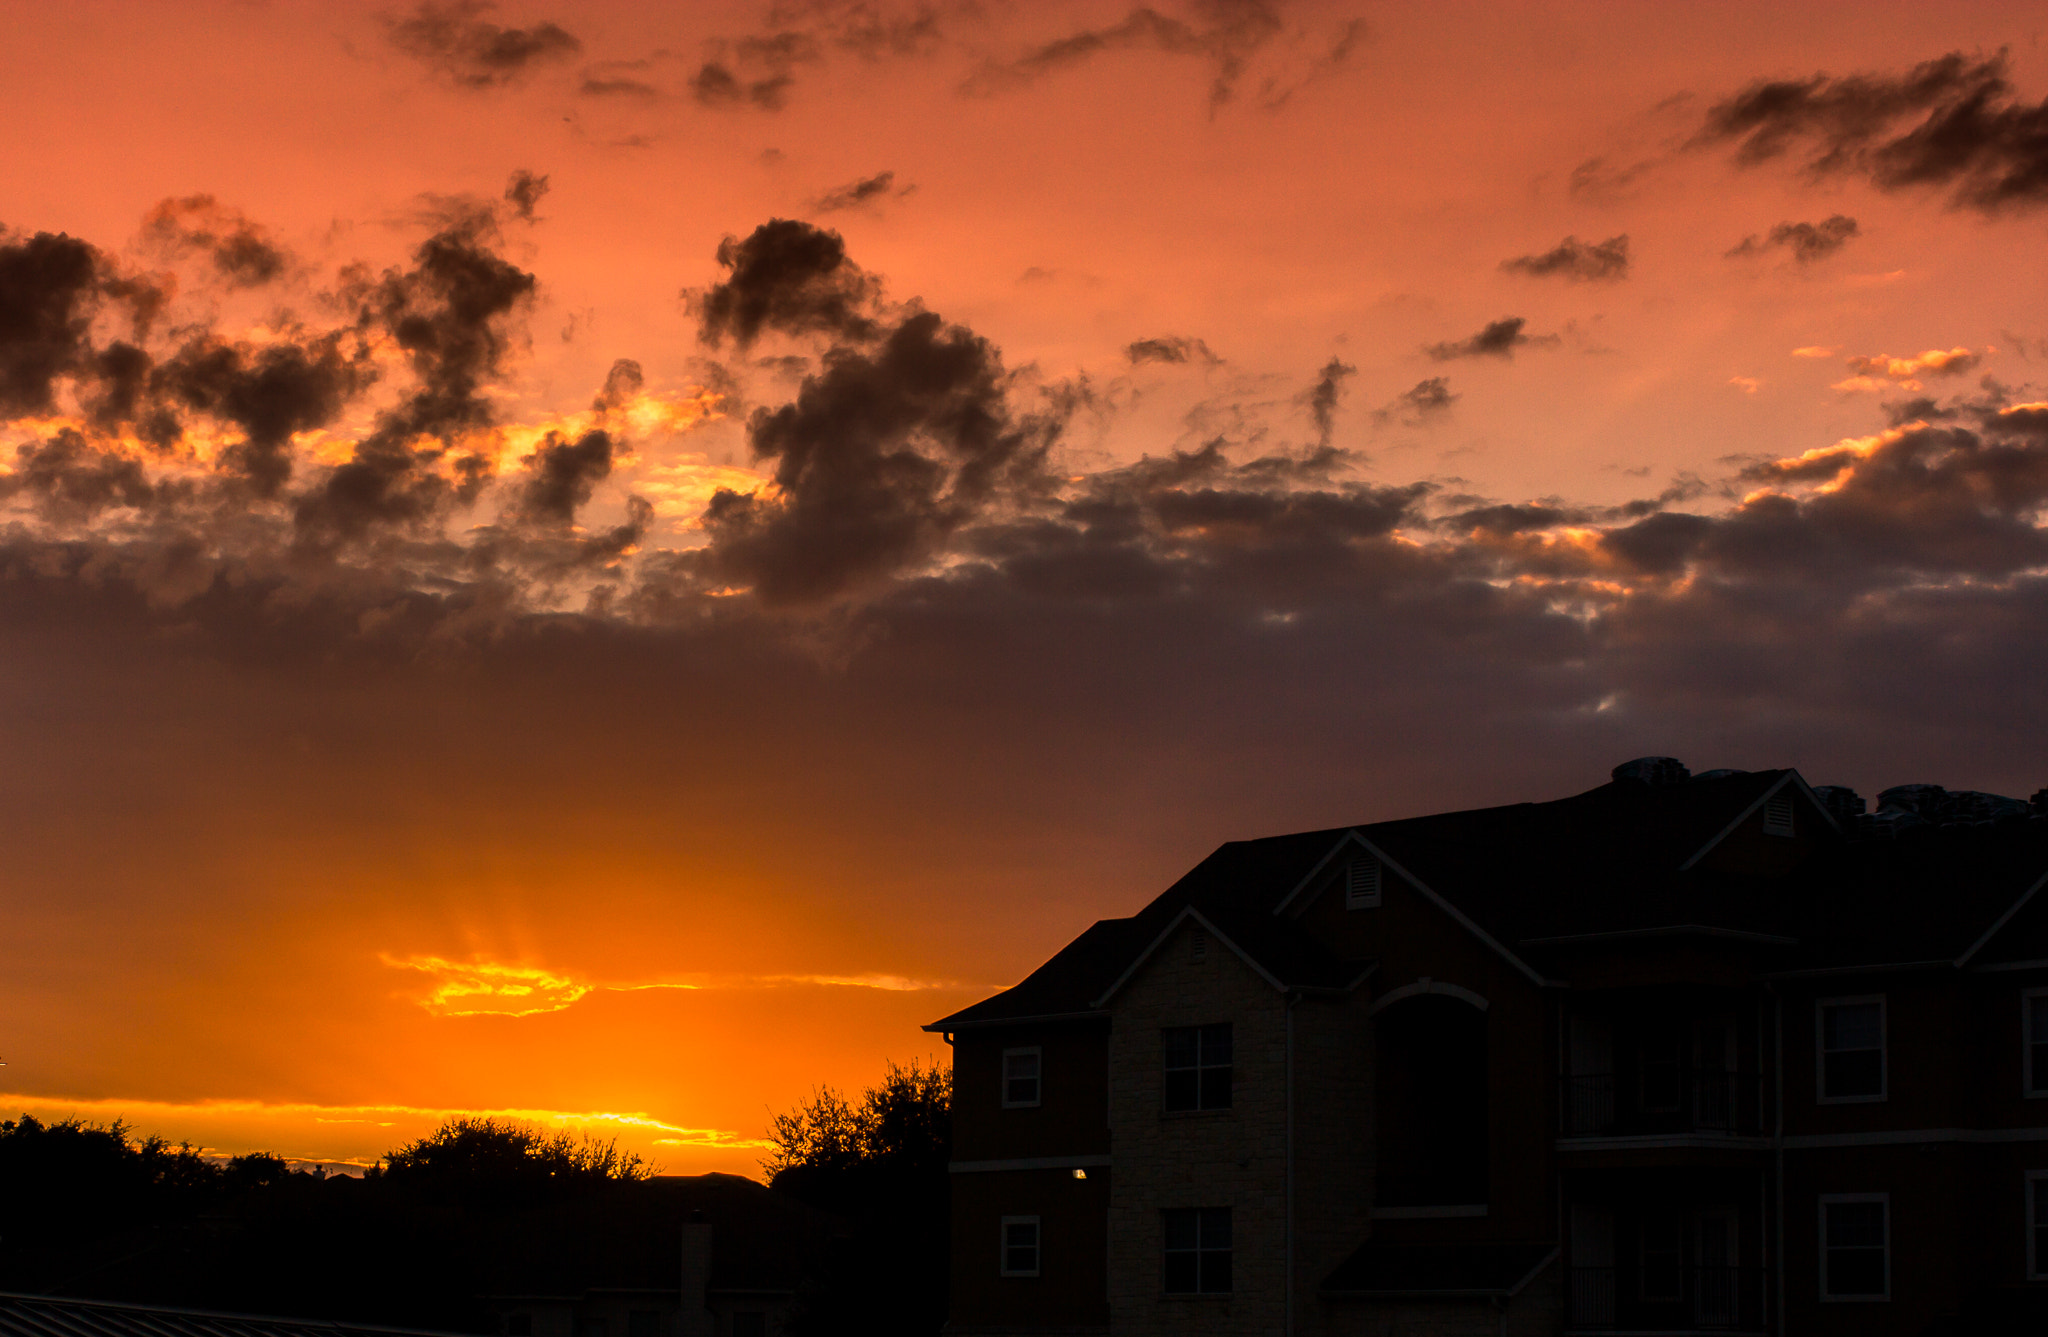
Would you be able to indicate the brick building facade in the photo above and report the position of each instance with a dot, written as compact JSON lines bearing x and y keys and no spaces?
{"x":1676,"y":1055}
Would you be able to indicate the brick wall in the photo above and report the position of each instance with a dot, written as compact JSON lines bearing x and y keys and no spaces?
{"x":1234,"y":1158}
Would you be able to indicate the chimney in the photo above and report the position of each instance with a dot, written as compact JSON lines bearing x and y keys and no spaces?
{"x":1652,"y":771}
{"x":697,"y":1320}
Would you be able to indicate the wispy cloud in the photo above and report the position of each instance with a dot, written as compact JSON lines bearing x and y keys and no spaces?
{"x":482,"y":988}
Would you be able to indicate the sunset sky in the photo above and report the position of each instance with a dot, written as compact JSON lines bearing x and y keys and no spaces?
{"x":605,"y":562}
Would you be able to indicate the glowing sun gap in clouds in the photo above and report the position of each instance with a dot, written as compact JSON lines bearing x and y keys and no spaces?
{"x":490,"y":988}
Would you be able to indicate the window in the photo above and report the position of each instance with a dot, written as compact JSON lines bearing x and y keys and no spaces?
{"x":1197,"y":1067}
{"x":1662,"y":1275}
{"x":1855,"y":1246}
{"x":643,"y":1323}
{"x":1778,"y":814}
{"x":2037,"y":1225}
{"x":1021,"y":1077}
{"x":1852,"y":1049}
{"x":1660,"y":1067}
{"x":2034,"y":1025}
{"x":1020,"y":1246}
{"x":749,"y":1323}
{"x":1197,"y":1250}
{"x":1362,"y":883}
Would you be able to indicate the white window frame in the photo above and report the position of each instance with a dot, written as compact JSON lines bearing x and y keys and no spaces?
{"x":2033,"y":1086}
{"x":1825,"y":1200}
{"x":1884,"y":1049}
{"x":1363,"y":875}
{"x":2037,"y":1266}
{"x":1037,"y":1052}
{"x":1037,"y":1246}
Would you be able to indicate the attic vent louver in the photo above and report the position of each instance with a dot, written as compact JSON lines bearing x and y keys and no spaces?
{"x":1653,"y":771}
{"x":1778,"y":815}
{"x":1362,"y":883}
{"x":1201,"y":946}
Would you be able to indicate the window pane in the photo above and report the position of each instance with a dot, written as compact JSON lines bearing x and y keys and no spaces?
{"x":1182,"y":1090}
{"x":1182,"y":1274}
{"x":1855,"y":1224}
{"x":1858,"y":1073}
{"x":1022,"y":1091}
{"x":1183,"y":1228}
{"x":1215,"y":1088}
{"x":1852,"y":1026}
{"x":1215,"y":1227}
{"x":2037,"y":1066}
{"x":1182,"y":1046}
{"x":1855,"y":1271}
{"x":1216,"y":1045}
{"x":1215,"y":1272}
{"x":1021,"y":1065}
{"x":2037,"y":1018}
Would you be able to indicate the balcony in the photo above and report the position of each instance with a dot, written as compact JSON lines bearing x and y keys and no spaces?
{"x":1672,"y":1102}
{"x":1669,"y":1299}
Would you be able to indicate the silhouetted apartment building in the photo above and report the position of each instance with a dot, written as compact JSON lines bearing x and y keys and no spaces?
{"x":1679,"y":1054}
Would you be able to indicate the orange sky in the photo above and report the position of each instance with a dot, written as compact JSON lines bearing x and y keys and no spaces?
{"x":310,"y":845}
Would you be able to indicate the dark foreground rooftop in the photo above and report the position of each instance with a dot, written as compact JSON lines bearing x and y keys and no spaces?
{"x":51,"y":1316}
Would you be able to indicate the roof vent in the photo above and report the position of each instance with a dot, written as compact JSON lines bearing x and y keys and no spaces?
{"x":1844,"y":804}
{"x":1652,"y":771}
{"x":1201,"y":946}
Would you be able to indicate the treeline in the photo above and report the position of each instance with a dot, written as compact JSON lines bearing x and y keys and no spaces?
{"x":91,"y":1210}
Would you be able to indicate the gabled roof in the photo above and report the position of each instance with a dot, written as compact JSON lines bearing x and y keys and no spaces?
{"x":1625,"y":859}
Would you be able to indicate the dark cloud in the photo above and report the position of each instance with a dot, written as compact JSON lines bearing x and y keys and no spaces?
{"x":1808,"y":242}
{"x":1582,"y":261}
{"x":1174,"y":348}
{"x":524,"y":193}
{"x":853,"y":194}
{"x":563,"y":473}
{"x":1500,"y":338}
{"x":1324,"y":396}
{"x":1429,"y":398}
{"x":457,"y":41}
{"x":238,"y":248}
{"x":789,"y":277}
{"x":1954,"y":124}
{"x":759,"y":70}
{"x":883,"y":455}
{"x":269,"y":392}
{"x":756,"y":71}
{"x":1227,"y":35}
{"x":450,"y":314}
{"x":52,"y":286}
{"x":973,"y":591}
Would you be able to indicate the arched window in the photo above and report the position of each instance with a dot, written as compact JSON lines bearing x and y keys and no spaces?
{"x":1431,"y":1102}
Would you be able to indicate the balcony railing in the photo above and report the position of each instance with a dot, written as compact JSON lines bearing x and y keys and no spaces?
{"x":1598,"y":1104}
{"x":1651,"y":1296}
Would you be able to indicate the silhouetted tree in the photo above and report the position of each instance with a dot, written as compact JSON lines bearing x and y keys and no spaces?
{"x":880,"y":1163}
{"x":496,"y":1164}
